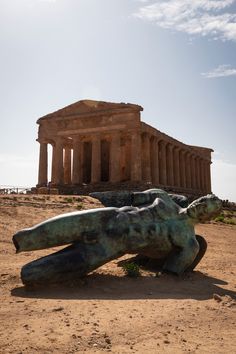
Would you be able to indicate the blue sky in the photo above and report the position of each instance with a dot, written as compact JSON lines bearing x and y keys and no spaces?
{"x":176,"y":58}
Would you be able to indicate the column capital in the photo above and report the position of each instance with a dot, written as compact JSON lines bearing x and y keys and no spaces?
{"x":76,"y":137}
{"x":170,"y":146}
{"x":193,"y":156}
{"x":183,"y":151}
{"x":163,"y":142}
{"x":146,"y":135}
{"x":42,"y":141}
{"x":58,"y":140}
{"x":96,"y":137}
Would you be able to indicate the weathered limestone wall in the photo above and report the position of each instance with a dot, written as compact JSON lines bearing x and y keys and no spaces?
{"x":97,"y":142}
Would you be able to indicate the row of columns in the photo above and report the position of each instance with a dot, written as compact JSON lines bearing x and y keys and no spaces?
{"x":68,"y":171}
{"x":169,"y":165}
{"x":152,"y":159}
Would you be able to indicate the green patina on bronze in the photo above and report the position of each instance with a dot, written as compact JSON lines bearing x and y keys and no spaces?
{"x":160,"y":230}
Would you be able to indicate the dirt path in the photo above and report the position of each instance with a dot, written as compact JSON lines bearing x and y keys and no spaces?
{"x":109,"y":312}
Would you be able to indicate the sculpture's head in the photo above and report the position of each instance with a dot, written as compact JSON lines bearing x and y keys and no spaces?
{"x":204,"y":208}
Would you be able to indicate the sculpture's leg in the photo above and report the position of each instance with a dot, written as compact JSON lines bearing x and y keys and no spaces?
{"x":183,"y":257}
{"x":203,"y":247}
{"x":70,"y":263}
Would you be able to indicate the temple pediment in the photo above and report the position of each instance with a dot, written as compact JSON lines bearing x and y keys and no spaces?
{"x":91,"y":107}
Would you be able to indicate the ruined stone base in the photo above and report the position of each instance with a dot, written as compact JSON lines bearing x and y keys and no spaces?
{"x":86,"y":189}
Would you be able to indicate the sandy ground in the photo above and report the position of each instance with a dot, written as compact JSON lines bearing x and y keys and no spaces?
{"x":108,"y":311}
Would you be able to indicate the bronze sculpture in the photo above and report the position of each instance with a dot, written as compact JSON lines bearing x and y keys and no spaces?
{"x":159,"y":229}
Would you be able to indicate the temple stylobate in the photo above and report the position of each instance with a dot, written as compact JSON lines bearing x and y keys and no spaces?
{"x":97,"y":142}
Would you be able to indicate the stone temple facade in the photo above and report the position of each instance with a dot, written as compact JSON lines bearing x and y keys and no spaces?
{"x":96,"y":142}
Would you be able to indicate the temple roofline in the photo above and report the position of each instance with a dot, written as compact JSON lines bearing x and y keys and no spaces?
{"x":85,"y":108}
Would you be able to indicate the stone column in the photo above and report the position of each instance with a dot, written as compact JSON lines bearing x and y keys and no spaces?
{"x":77,"y":162}
{"x":203,"y":171}
{"x":209,"y":177}
{"x":146,"y":161}
{"x":202,"y":177}
{"x":188,"y":170}
{"x":136,"y":173}
{"x":193,"y":172}
{"x":154,"y":152}
{"x":96,"y":159}
{"x":206,"y":176}
{"x":67,"y":165}
{"x":58,"y":163}
{"x":182,"y":169}
{"x":176,"y":167}
{"x":162,"y":164}
{"x":170,"y":165}
{"x":53,"y":163}
{"x":115,"y":158}
{"x":43,"y":165}
{"x":198,"y":173}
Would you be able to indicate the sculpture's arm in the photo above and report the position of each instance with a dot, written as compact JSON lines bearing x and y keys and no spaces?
{"x":146,"y":197}
{"x":182,"y":257}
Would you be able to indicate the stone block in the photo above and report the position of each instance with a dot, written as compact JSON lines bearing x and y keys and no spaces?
{"x":42,"y":190}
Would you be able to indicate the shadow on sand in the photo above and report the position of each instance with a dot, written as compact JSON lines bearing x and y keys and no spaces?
{"x":195,"y":285}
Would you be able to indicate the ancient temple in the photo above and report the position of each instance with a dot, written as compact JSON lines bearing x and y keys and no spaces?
{"x":98,"y":142}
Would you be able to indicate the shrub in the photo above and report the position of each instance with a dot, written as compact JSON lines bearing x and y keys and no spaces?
{"x":79,"y":199}
{"x":79,"y":206}
{"x":220,"y":218}
{"x":68,"y":200}
{"x":131,"y":269}
{"x":230,"y":222}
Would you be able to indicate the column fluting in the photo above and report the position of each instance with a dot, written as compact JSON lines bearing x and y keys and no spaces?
{"x":43,"y":164}
{"x":115,"y":158}
{"x":96,"y":159}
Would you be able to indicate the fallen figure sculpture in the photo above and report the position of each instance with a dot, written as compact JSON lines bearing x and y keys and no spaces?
{"x":160,"y":230}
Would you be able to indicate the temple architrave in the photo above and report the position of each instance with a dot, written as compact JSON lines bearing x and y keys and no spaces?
{"x":96,"y":142}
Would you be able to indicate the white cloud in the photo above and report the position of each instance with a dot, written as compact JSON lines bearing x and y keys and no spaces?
{"x":221,"y":71}
{"x":195,"y":17}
